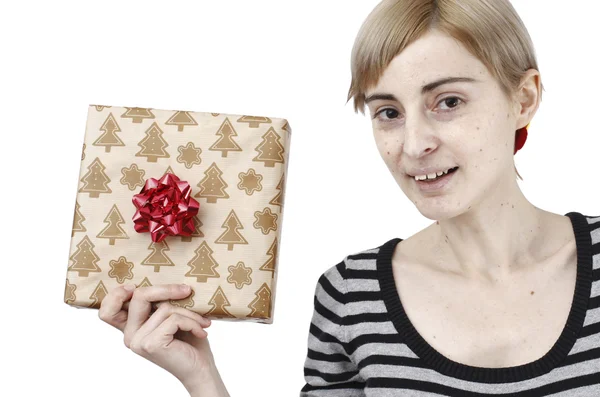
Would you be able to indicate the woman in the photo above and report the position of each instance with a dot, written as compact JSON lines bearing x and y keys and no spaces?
{"x":497,"y":297}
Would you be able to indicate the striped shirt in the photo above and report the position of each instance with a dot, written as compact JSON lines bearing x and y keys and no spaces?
{"x":361,"y":342}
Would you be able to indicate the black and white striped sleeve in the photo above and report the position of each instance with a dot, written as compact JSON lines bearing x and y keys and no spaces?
{"x":328,"y":369}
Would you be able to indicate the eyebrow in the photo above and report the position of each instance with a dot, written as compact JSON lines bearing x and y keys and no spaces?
{"x":425,"y":89}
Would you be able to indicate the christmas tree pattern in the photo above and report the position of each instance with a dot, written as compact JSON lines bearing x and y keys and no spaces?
{"x":84,"y":258}
{"x":212,"y":187}
{"x":169,"y":170}
{"x":138,"y":114}
{"x":219,"y":301}
{"x":261,"y":305}
{"x":153,"y":145}
{"x":78,"y":219}
{"x":145,"y":283}
{"x":121,"y":270}
{"x":70,"y":292}
{"x":269,"y":265}
{"x":278,"y":199}
{"x":286,"y":127}
{"x":113,"y":231}
{"x":253,"y":121}
{"x":99,"y":108}
{"x":98,"y":295}
{"x":215,"y":114}
{"x":226,"y":143}
{"x":197,"y":232}
{"x":109,"y":138}
{"x":231,"y":236}
{"x":158,"y":257}
{"x":83,"y":152}
{"x":270,"y":149}
{"x":95,"y":181}
{"x":186,"y":303}
{"x":181,"y":119}
{"x":203,"y":264}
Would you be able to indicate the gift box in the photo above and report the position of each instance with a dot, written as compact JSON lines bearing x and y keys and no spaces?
{"x":168,"y":196}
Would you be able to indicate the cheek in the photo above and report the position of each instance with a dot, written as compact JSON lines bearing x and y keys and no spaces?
{"x":389,"y":147}
{"x":495,"y":141}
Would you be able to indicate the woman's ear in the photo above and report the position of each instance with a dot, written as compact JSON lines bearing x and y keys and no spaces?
{"x":528,"y":97}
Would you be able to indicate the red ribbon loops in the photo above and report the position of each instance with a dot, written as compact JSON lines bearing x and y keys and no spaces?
{"x":165,"y":208}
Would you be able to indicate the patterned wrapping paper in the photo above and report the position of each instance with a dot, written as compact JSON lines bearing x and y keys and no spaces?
{"x":236,"y":167}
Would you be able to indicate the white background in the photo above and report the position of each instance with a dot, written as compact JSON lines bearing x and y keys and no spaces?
{"x":275,"y":58}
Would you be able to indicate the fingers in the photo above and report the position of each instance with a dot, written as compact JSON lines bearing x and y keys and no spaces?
{"x":163,"y":335}
{"x":141,"y":304}
{"x":154,"y":306}
{"x":177,"y":322}
{"x":164,"y":311}
{"x":204,"y":322}
{"x":111,"y":309}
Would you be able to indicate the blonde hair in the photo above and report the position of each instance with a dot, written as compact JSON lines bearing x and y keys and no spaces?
{"x":489,"y":29}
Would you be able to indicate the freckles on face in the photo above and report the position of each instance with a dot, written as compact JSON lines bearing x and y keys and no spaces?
{"x":389,"y":148}
{"x":423,"y":130}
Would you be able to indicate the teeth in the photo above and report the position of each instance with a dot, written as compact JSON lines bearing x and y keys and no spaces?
{"x":431,"y":176}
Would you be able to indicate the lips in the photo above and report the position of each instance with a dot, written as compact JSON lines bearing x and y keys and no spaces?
{"x":435,"y":185}
{"x":450,"y":170}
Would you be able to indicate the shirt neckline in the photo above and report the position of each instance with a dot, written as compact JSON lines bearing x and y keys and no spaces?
{"x":558,"y":352}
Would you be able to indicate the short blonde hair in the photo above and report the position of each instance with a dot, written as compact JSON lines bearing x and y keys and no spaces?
{"x":489,"y":29}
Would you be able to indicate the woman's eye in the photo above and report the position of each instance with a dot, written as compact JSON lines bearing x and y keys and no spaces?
{"x":389,"y":114}
{"x":451,"y":102}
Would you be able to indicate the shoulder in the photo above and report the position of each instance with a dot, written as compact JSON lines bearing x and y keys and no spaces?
{"x":338,"y":285}
{"x":352,"y":265}
{"x":593,"y":220}
{"x":594,"y":230}
{"x":584,"y":225}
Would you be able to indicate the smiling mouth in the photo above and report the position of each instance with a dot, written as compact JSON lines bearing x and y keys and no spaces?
{"x":435,"y":185}
{"x":433,"y":178}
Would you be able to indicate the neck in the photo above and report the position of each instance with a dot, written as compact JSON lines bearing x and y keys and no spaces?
{"x":495,"y":238}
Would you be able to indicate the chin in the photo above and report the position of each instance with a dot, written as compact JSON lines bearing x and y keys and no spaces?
{"x":435,"y":214}
{"x":438,"y":208}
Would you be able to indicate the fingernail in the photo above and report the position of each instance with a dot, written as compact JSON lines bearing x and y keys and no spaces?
{"x":185,"y":287}
{"x":129,"y":287}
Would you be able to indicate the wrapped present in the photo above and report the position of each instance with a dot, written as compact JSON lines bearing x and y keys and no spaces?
{"x":170,"y":196}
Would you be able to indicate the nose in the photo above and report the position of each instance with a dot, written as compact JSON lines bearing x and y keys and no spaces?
{"x":420,"y":138}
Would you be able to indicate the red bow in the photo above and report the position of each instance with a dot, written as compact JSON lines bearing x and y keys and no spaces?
{"x":165,"y":208}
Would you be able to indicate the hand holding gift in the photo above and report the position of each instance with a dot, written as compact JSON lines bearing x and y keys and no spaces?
{"x":171,"y":337}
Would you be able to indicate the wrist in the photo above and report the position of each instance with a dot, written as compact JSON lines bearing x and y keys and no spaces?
{"x":207,"y":384}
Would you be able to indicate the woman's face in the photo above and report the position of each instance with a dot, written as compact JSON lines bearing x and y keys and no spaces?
{"x":421,"y":126}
